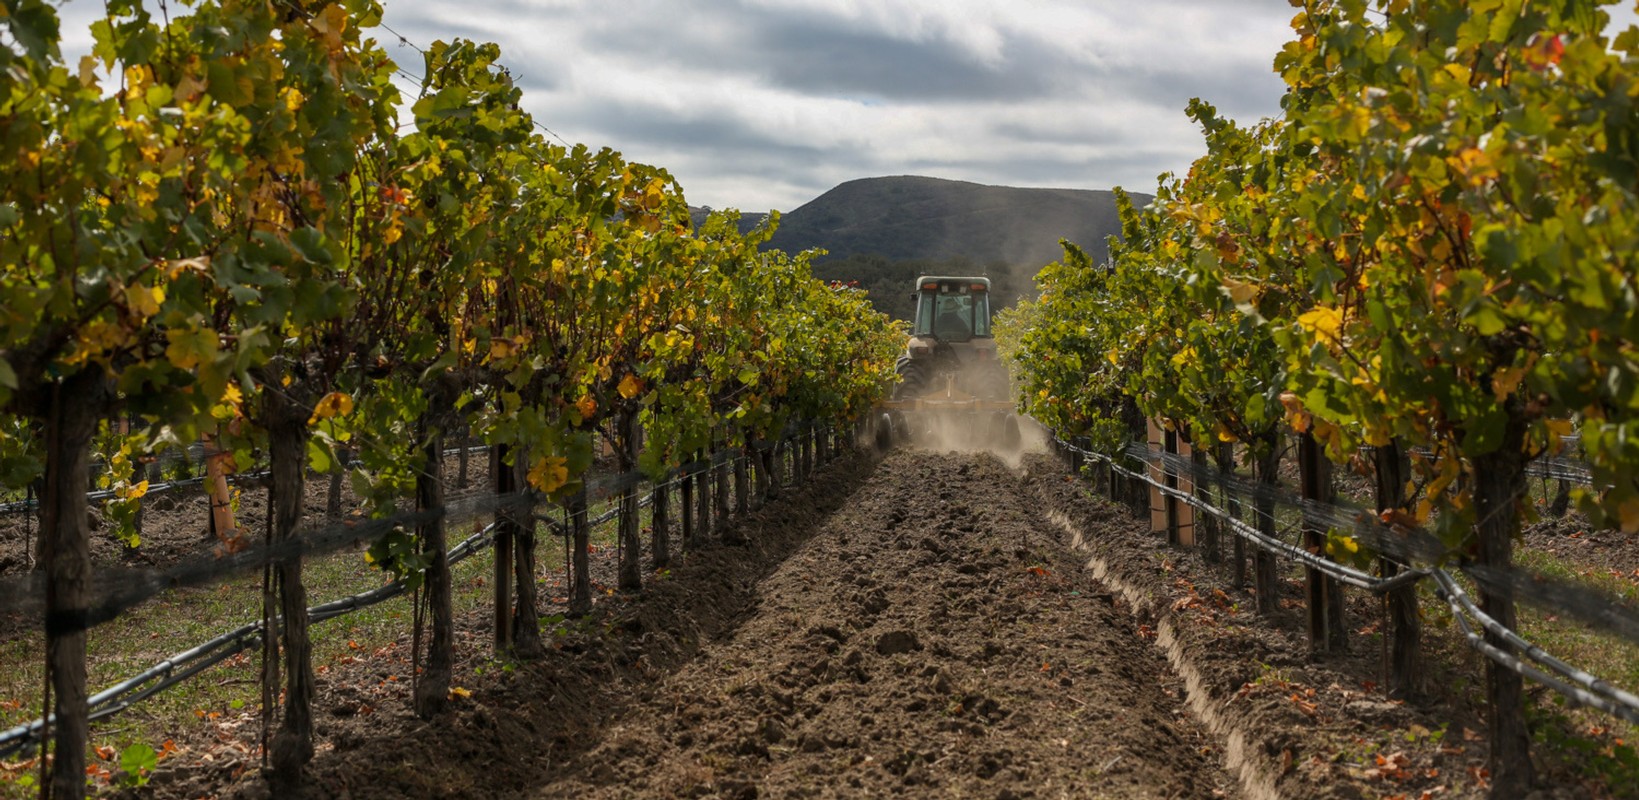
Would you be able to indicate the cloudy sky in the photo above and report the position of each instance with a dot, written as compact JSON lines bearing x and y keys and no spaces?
{"x":763,"y":104}
{"x":760,"y":104}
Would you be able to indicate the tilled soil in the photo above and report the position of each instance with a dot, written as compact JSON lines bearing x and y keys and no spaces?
{"x":934,"y":637}
{"x":919,"y":625}
{"x":912,"y":626}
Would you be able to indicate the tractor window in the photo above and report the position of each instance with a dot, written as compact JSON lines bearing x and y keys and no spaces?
{"x":954,"y":322}
{"x":924,"y":314}
{"x":953,"y":313}
{"x":981,"y":314}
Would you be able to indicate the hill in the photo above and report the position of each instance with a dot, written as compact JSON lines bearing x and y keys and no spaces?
{"x":911,"y":217}
{"x":883,"y":232}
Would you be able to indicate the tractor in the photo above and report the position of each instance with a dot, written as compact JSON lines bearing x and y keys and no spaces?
{"x":953,"y":390}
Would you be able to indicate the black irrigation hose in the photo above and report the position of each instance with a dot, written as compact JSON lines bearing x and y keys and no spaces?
{"x":1582,"y":687}
{"x":1574,"y":683}
{"x":1412,"y":545}
{"x":1346,"y":574}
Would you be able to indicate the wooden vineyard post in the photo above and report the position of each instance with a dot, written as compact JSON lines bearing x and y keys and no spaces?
{"x":462,"y":457}
{"x":1155,"y":442}
{"x":1232,"y":505}
{"x":742,"y":482}
{"x":504,"y":478}
{"x":630,"y":576}
{"x":660,"y":534}
{"x":580,"y":593}
{"x":1211,"y":540}
{"x":1183,"y":514}
{"x":769,"y":474}
{"x":702,"y":497}
{"x":338,"y":472}
{"x":1404,"y":653}
{"x":805,"y":447}
{"x":1327,"y":633}
{"x":216,"y":487}
{"x":1167,"y":513}
{"x":526,"y":623}
{"x":1169,"y":479}
{"x":1499,"y":482}
{"x":720,"y":477}
{"x":1265,"y":579}
{"x":777,"y":461}
{"x":65,"y":552}
{"x":685,"y":482}
{"x":433,"y":685}
{"x":292,"y":747}
{"x":759,"y":474}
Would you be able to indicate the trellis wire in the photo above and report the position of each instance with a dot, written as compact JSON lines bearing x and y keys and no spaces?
{"x":184,"y":665}
{"x":1577,"y":685}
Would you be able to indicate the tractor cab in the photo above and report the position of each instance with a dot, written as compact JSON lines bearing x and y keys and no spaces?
{"x":950,"y":343}
{"x":952,"y":309}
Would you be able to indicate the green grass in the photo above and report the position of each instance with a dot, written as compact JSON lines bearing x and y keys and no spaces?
{"x":1581,"y":742}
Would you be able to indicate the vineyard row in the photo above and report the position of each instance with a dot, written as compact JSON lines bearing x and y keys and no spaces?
{"x":1428,"y":257}
{"x":217,"y":225}
{"x":694,"y":527}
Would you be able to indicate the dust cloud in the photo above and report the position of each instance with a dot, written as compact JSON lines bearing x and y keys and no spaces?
{"x":977,"y":432}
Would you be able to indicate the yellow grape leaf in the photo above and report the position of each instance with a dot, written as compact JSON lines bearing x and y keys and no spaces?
{"x":587,"y":405}
{"x":1506,"y":380}
{"x":1474,"y":164}
{"x":144,"y":301}
{"x":630,"y":386}
{"x":188,"y":348}
{"x":332,"y":405}
{"x":500,"y":349}
{"x":292,"y":98}
{"x":1294,"y":407}
{"x":1323,"y":322}
{"x":457,"y":691}
{"x":1240,"y":291}
{"x":549,"y":473}
{"x":654,"y":195}
{"x":1559,"y":428}
{"x":1377,"y":434}
{"x":88,"y":72}
{"x":189,"y":88}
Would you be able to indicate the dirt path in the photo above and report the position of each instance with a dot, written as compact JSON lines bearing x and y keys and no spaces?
{"x":932,"y":638}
